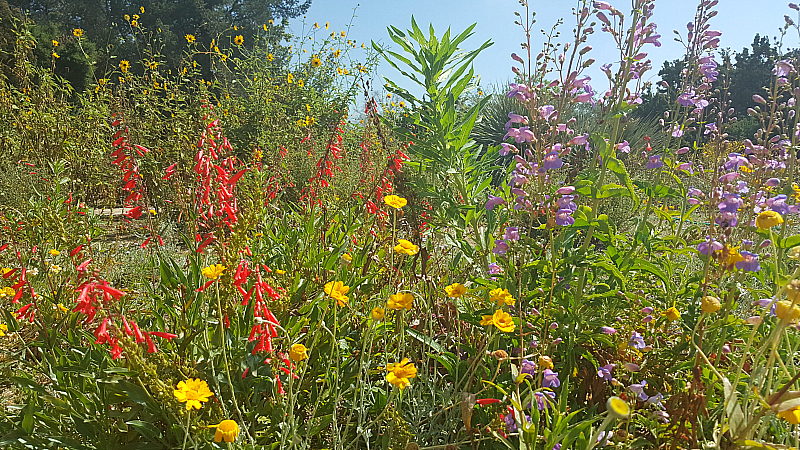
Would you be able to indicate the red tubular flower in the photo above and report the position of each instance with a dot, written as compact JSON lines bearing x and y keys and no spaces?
{"x":116,"y":350}
{"x":134,"y":213}
{"x":138,"y":333}
{"x":280,"y":386}
{"x":112,"y":291}
{"x":128,"y":331}
{"x":168,"y":336}
{"x":28,"y":311}
{"x":255,"y":330}
{"x":83,"y":265}
{"x":151,"y":347}
{"x":206,"y":285}
{"x":101,"y":333}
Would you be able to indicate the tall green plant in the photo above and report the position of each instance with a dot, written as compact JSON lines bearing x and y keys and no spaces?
{"x":451,"y":169}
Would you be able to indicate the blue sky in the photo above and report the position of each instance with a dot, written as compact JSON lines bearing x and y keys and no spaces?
{"x":739,"y":21}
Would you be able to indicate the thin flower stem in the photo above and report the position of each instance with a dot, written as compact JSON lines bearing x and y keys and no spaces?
{"x":188,"y":423}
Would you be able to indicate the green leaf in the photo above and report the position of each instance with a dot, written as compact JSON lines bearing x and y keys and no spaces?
{"x":27,"y":420}
{"x":618,"y":168}
{"x":146,"y":429}
{"x":138,"y":394}
{"x":647,"y":266}
{"x":790,"y":242}
{"x":425,"y":339}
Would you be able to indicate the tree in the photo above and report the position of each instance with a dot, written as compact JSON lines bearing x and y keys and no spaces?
{"x":110,"y":27}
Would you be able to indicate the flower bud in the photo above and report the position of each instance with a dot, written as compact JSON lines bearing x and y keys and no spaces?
{"x":710,"y":304}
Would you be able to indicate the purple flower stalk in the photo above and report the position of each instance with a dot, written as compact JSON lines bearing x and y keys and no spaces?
{"x":564,"y":218}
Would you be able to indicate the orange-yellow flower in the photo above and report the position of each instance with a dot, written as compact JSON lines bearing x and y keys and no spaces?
{"x":298,"y":352}
{"x":501,"y":319}
{"x":785,"y":308}
{"x":400,"y":373}
{"x":337,"y":290}
{"x":768,"y":219}
{"x":378,"y":313}
{"x":238,"y":40}
{"x":455,"y":290}
{"x":193,"y":392}
{"x":213,"y":272}
{"x":227,"y":430}
{"x":395,"y":201}
{"x":501,"y":296}
{"x":401,"y":300}
{"x":791,"y":415}
{"x":77,"y":32}
{"x":672,"y":314}
{"x":406,"y":247}
{"x":710,"y":304}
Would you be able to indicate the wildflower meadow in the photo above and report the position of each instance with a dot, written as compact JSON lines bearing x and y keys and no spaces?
{"x":217,"y":233}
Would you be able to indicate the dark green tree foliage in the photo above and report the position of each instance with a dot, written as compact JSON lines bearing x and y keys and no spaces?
{"x":109,"y":37}
{"x":745,"y":72}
